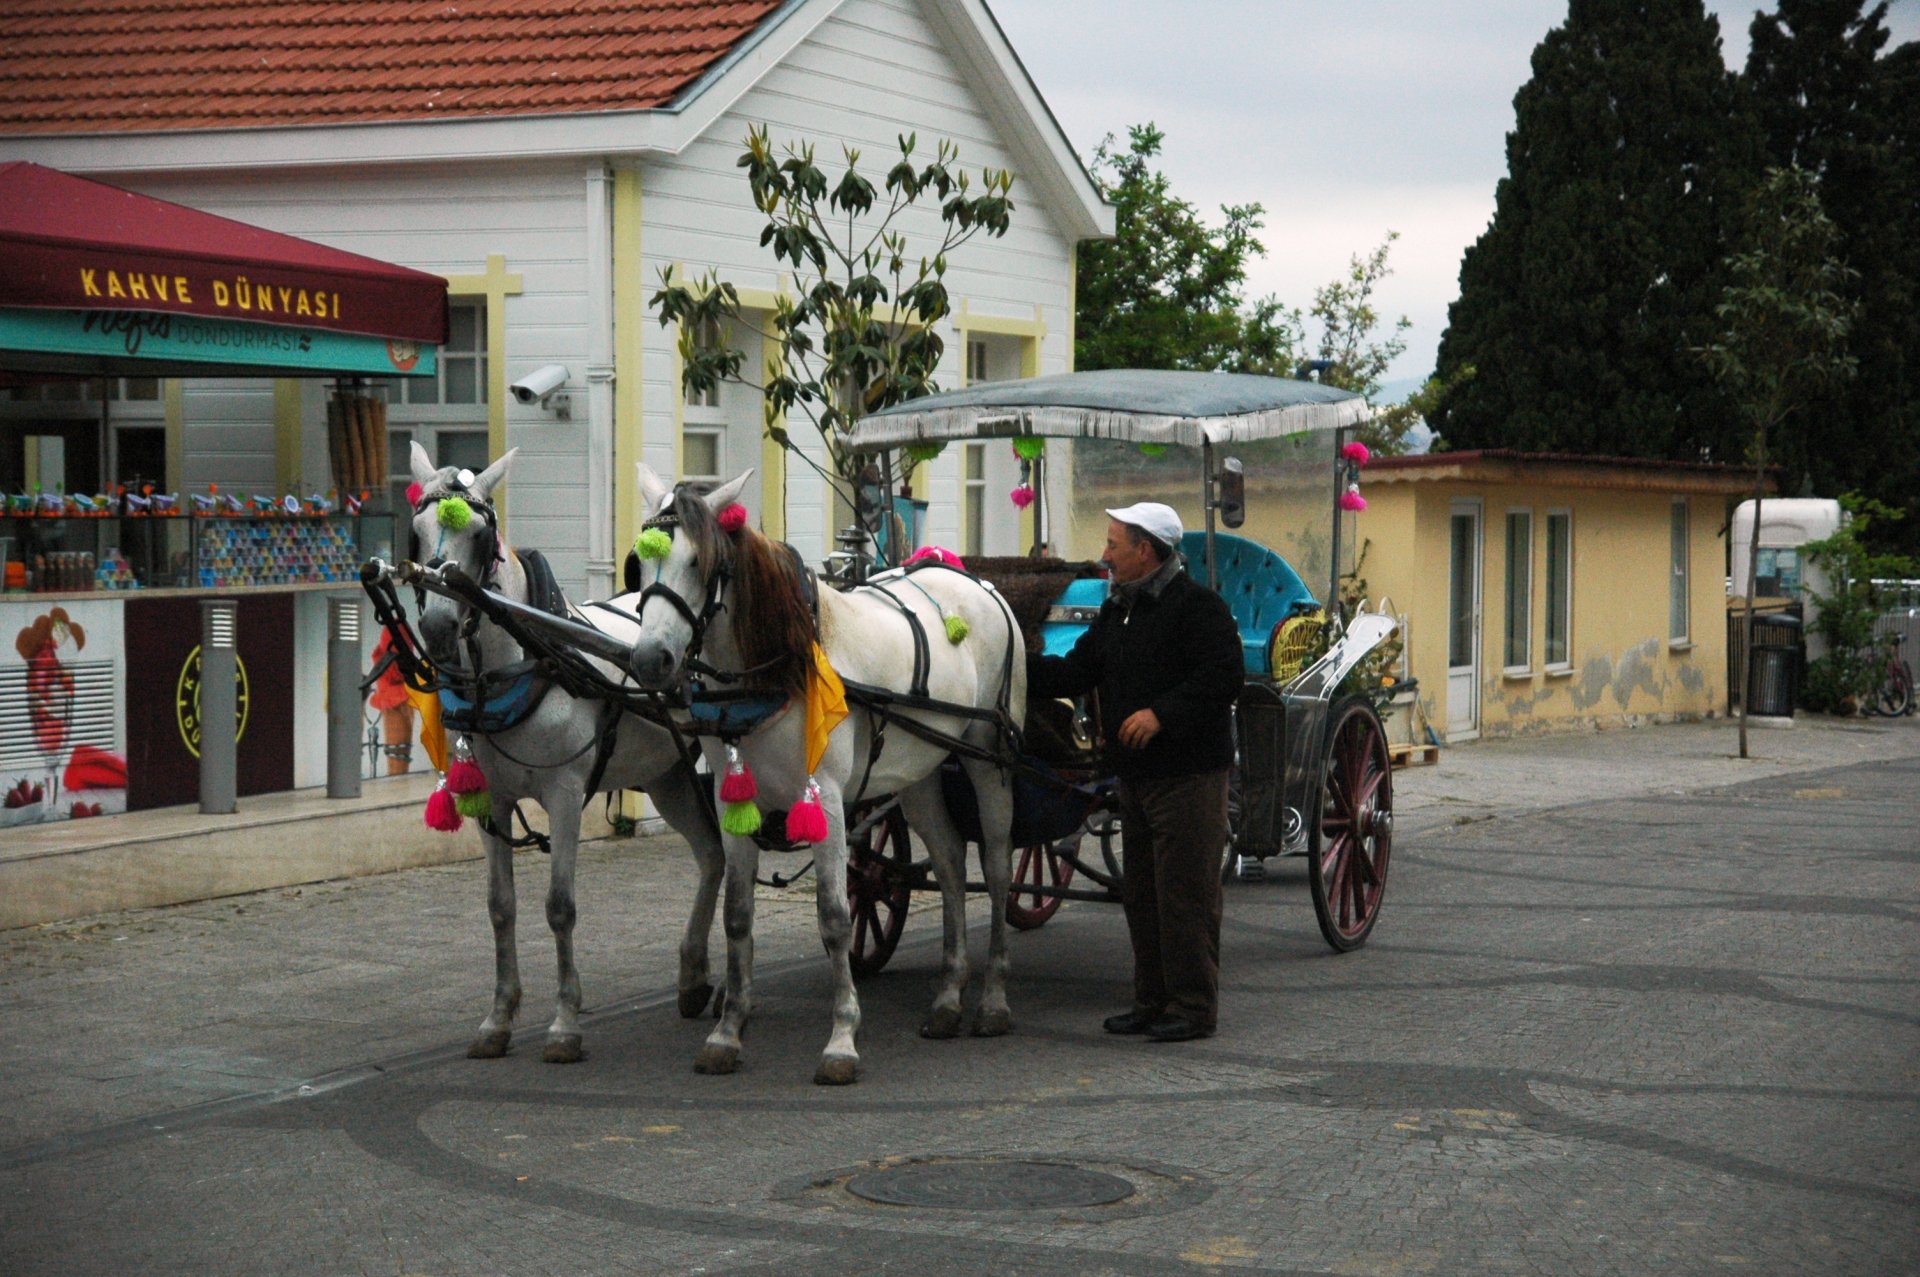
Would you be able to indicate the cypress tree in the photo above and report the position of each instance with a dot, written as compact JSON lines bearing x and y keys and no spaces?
{"x":1581,"y":304}
{"x":1831,"y":103}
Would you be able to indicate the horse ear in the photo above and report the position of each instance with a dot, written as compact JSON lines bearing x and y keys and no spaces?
{"x":653,"y":490}
{"x":493,"y":476}
{"x":422,"y":465}
{"x":727,"y":493}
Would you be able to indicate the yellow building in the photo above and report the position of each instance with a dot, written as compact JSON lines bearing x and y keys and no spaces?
{"x":1547,"y":592}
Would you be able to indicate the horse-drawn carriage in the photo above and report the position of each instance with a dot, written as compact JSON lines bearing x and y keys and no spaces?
{"x":724,"y":638}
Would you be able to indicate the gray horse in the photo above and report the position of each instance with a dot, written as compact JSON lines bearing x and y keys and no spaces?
{"x":549,"y":755}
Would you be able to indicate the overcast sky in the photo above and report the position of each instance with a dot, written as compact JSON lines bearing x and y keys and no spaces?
{"x":1344,"y":120}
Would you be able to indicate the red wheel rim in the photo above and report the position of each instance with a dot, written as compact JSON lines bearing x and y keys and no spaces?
{"x":878,"y":892}
{"x":1355,"y":841}
{"x":1037,"y":866}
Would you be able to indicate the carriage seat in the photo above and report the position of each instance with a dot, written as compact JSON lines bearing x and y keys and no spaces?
{"x":1260,"y":587}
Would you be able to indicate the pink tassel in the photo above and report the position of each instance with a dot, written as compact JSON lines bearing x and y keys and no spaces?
{"x":806,"y":821}
{"x":465,"y":777}
{"x":414,"y":492}
{"x":1357,"y":452}
{"x":441,"y":814}
{"x":738,"y":785}
{"x":732,"y":517}
{"x":1352,"y":500}
{"x":1022,"y":497}
{"x":939,"y":553}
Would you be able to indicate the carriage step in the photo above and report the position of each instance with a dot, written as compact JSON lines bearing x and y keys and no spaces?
{"x":1413,"y":755}
{"x":1249,"y":868}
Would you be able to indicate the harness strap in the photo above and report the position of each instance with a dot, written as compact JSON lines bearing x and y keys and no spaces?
{"x":922,"y":659}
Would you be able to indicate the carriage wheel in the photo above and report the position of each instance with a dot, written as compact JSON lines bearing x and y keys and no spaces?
{"x":1352,"y":840}
{"x":879,"y":886}
{"x":1038,"y":866}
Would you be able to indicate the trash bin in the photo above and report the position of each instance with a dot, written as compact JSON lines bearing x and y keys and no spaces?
{"x":1773,"y":673}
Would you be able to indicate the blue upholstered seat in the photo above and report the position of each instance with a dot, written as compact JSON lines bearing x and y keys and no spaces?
{"x":1259,"y":586}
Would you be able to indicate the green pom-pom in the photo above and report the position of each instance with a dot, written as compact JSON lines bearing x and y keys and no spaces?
{"x":1027,"y":447}
{"x":654,"y":543}
{"x":919,"y":452}
{"x":742,"y":818}
{"x":455,"y":513}
{"x":956,"y":628}
{"x":474,"y":806}
{"x":1153,"y":449}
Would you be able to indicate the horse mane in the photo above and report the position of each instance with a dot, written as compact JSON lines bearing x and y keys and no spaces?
{"x":773,"y":622}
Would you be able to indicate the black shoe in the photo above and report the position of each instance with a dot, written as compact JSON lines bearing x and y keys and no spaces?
{"x":1176,"y":1028}
{"x":1135,"y":1021}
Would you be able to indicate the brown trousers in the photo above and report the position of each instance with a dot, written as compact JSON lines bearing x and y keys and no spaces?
{"x":1173,"y":832}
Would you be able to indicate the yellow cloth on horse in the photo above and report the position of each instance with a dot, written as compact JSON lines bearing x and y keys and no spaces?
{"x":826,"y":706}
{"x":432,"y":734}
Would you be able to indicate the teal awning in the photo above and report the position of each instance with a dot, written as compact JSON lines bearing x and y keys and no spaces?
{"x":125,"y":343}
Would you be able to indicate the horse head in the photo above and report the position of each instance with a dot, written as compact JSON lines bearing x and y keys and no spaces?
{"x":714,"y":590}
{"x":454,"y":522}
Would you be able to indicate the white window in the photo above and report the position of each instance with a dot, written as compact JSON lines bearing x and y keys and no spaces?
{"x":1677,"y":624}
{"x":1519,"y":646}
{"x":707,"y":337}
{"x":1559,"y":589}
{"x":973,"y":500}
{"x":462,"y":376}
{"x":977,"y":362}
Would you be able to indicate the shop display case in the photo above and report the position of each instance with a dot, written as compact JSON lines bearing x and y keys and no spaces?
{"x":68,"y":553}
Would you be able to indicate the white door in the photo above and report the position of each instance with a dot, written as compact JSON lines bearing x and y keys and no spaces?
{"x":1463,"y":622}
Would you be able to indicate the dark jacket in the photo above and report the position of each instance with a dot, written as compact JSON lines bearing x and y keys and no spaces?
{"x":1176,"y":653}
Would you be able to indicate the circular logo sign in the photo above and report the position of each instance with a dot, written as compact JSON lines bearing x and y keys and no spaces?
{"x":404,"y":354}
{"x":186,"y":700}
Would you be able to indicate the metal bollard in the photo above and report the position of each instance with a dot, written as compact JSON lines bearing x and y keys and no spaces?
{"x":343,"y":698}
{"x":218,"y":708}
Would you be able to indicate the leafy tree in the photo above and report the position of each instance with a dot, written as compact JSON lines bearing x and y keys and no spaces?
{"x":1599,"y":270}
{"x":862,"y":333}
{"x":1830,"y":102}
{"x":1783,"y":328}
{"x":1167,"y":290}
{"x":1846,"y":676}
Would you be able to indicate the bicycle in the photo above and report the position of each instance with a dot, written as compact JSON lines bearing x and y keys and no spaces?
{"x":1893,"y":696}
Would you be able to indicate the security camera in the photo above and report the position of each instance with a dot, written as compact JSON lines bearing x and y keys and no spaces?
{"x":537,"y":385}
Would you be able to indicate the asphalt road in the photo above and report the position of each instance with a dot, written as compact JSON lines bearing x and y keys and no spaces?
{"x":1658,"y":1016}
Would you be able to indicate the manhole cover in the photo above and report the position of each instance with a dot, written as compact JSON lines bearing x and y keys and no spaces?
{"x":990,"y":1185}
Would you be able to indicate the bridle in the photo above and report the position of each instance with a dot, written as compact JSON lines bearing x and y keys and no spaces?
{"x":714,"y":587}
{"x":488,"y":538}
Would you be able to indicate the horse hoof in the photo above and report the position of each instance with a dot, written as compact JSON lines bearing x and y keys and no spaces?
{"x":490,"y":1045}
{"x":694,"y":1001}
{"x":717,"y":1059}
{"x":944,"y":1022}
{"x":992,"y":1024}
{"x":564,"y":1050}
{"x":837,"y":1070}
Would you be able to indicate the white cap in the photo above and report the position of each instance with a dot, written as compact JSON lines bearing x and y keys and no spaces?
{"x":1156,"y":520}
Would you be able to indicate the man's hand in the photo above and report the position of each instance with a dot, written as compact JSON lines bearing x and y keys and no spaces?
{"x":1141,"y":726}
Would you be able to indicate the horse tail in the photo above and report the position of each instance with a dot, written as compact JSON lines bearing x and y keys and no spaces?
{"x":774,"y":628}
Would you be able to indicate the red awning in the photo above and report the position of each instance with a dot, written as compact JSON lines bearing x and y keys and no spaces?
{"x":67,"y":243}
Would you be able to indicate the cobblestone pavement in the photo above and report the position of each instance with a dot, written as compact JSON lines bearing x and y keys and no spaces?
{"x":1632,"y":1007}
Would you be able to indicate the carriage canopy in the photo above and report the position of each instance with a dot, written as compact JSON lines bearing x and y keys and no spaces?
{"x":1134,"y":405}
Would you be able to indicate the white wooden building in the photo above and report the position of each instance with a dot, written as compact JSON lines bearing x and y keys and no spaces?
{"x":551,"y":183}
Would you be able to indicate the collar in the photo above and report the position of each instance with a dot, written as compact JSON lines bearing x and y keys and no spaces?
{"x":1152,"y":585}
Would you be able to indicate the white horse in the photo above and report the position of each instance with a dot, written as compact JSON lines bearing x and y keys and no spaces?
{"x":549,"y":755}
{"x":738,"y":603}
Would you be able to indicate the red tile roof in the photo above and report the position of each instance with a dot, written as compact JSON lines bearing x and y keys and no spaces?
{"x":94,"y":66}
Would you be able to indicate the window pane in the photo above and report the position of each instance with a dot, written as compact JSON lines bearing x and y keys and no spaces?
{"x":463,"y":381}
{"x":464,"y":448}
{"x":139,"y":388}
{"x":464,"y":329}
{"x":1559,"y":586}
{"x":400,"y":457}
{"x":1677,"y":587}
{"x":1460,"y":609}
{"x":1519,"y":588}
{"x":700,"y":454}
{"x":976,"y":461}
{"x":976,"y":520}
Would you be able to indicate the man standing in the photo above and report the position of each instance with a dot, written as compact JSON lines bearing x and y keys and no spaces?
{"x":1164,"y":655}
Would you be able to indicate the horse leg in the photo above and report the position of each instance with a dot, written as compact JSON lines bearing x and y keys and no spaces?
{"x":721,"y":1051}
{"x":996,"y":865}
{"x":840,"y":1063}
{"x":496,"y":1031}
{"x":926,"y":811}
{"x":563,"y":827}
{"x":679,"y":796}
